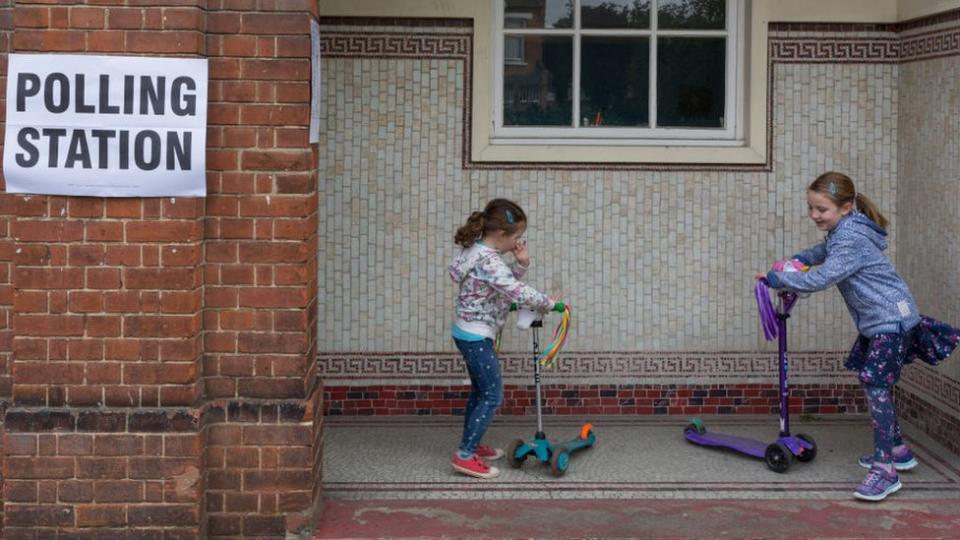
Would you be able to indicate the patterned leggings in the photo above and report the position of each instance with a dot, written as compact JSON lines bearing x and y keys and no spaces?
{"x":486,"y":391}
{"x":886,"y":429}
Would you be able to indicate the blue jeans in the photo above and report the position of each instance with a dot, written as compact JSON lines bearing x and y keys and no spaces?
{"x":486,"y":391}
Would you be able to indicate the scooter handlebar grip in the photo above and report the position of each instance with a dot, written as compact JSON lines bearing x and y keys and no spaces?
{"x":559,"y":307}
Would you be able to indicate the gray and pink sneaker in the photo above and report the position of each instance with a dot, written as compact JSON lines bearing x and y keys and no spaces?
{"x":877,"y":485}
{"x":901,"y":462}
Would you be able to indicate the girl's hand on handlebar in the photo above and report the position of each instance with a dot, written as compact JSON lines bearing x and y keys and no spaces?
{"x":760,"y":275}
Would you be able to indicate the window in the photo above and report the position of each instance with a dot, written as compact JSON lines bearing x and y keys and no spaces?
{"x":618,"y":72}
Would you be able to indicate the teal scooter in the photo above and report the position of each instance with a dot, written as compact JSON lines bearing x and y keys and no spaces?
{"x":557,"y":455}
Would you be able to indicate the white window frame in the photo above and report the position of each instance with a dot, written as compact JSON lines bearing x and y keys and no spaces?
{"x":729,"y":135}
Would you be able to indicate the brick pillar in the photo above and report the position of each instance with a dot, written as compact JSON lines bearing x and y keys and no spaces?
{"x":103,"y":433}
{"x":6,"y":248}
{"x":157,"y":373}
{"x":261,"y":273}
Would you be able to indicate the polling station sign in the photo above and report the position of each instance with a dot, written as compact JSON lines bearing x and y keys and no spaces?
{"x":106,"y":126}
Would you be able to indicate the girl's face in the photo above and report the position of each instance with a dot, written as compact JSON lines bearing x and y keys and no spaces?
{"x":503,"y":241}
{"x":824,"y":212}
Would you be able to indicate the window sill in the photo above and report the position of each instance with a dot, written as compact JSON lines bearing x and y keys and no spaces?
{"x":620,"y":154}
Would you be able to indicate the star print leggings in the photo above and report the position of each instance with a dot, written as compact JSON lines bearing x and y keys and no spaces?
{"x":486,"y":391}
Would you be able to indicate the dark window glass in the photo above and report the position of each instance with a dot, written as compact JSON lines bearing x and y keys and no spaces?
{"x":614,"y":81}
{"x":691,"y":14}
{"x":537,"y":91}
{"x":541,"y":13}
{"x":690,"y":82}
{"x":615,"y":14}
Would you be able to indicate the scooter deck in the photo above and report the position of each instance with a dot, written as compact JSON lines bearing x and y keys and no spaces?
{"x":743,"y":445}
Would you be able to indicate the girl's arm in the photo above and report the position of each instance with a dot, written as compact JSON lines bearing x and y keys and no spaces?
{"x":845,"y":258}
{"x":501,"y":278}
{"x":518,"y":269}
{"x":813,"y":256}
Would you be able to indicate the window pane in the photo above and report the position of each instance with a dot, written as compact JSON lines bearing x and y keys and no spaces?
{"x":615,"y":13}
{"x":540,"y":13}
{"x":614,"y":81}
{"x":536,"y":91}
{"x":691,"y":82}
{"x":692,"y":14}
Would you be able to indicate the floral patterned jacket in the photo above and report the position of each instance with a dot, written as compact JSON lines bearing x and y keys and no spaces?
{"x":487,"y":288}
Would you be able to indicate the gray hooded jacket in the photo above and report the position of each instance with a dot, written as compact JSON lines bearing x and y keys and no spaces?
{"x":852,"y":258}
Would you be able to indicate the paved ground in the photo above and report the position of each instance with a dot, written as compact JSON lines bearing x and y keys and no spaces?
{"x":390,"y":478}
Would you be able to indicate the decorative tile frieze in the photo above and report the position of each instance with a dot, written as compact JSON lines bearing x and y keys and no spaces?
{"x":582,"y":367}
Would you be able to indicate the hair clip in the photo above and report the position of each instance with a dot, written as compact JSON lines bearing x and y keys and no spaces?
{"x":510,"y":219}
{"x":832,"y":188}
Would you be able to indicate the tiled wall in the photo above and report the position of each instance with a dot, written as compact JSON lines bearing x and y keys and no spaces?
{"x":657,"y":264}
{"x":651,"y":261}
{"x":929,"y":216}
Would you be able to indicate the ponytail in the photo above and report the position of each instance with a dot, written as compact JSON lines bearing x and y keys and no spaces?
{"x":471,"y":231}
{"x":869,"y":209}
{"x":499,"y":215}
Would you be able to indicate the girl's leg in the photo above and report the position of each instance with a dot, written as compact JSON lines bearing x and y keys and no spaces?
{"x":488,"y":387}
{"x":473,"y":399}
{"x":885,"y":426}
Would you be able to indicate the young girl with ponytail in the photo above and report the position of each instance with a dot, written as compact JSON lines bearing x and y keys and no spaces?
{"x":892,"y":332}
{"x":487,"y":287}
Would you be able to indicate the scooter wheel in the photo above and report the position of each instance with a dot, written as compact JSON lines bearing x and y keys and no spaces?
{"x":559,"y":461}
{"x":807,"y":455}
{"x":777,"y":457}
{"x":696,"y":426}
{"x":512,"y":458}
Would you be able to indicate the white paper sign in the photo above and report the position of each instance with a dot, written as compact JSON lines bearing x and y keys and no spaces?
{"x":106,"y":126}
{"x":315,"y":81}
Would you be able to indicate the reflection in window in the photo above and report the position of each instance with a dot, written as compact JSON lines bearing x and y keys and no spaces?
{"x":615,"y":13}
{"x":689,"y":97}
{"x":691,"y":14}
{"x":537,"y":91}
{"x":545,"y":13}
{"x":614,"y":81}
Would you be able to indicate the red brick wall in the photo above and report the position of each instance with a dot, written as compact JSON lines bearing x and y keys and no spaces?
{"x":156,"y":354}
{"x":598,"y":399}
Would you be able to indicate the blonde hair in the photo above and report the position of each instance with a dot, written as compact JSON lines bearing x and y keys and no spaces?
{"x":499,"y":215}
{"x":840,"y":189}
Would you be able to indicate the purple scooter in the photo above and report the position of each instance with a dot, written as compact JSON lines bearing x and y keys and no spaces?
{"x":777,"y":454}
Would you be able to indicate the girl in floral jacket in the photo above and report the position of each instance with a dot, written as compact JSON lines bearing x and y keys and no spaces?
{"x":487,"y":287}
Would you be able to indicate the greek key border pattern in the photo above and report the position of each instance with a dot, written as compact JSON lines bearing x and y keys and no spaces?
{"x":646,"y":367}
{"x":395,"y":45}
{"x":837,"y":49}
{"x":926,"y":382}
{"x":834,"y":50}
{"x":582,"y":366}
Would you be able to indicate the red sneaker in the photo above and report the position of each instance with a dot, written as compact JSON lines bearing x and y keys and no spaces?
{"x":474,"y":466}
{"x":488,"y":453}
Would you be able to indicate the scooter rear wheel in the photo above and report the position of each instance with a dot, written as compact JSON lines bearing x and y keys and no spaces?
{"x":808,"y":454}
{"x":512,"y":459}
{"x":777,"y":457}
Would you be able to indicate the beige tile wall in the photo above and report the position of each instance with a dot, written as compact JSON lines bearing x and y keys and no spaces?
{"x":651,"y":261}
{"x":929,"y":196}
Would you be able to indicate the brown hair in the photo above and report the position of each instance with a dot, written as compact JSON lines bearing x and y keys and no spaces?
{"x":840,"y":189}
{"x":499,"y":215}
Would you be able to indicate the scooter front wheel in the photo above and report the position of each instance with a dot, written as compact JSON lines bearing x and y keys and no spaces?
{"x":777,"y":457}
{"x":512,"y":458}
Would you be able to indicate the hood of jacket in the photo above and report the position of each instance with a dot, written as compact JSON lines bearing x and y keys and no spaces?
{"x":857,"y":224}
{"x":466,"y":260}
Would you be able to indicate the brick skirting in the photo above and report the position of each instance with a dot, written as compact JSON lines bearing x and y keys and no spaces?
{"x":598,"y":399}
